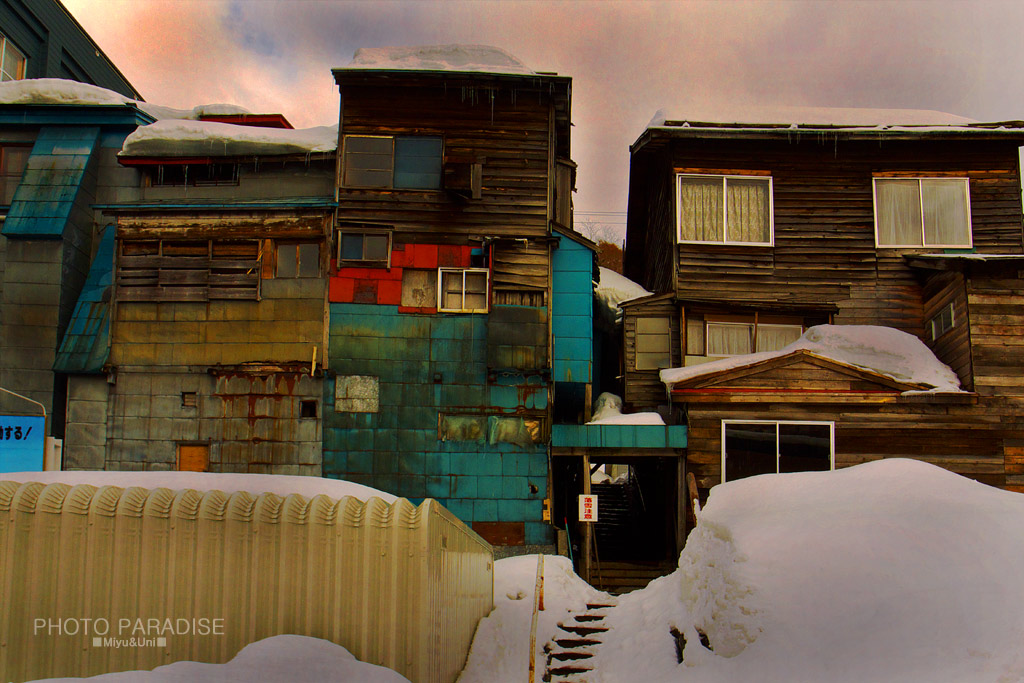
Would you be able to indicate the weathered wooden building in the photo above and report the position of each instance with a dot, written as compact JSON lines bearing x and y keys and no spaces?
{"x":454,"y":181}
{"x":752,"y":229}
{"x":199,"y":341}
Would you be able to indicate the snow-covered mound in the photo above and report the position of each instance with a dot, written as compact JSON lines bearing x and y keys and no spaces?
{"x":883,"y":350}
{"x":456,"y":58}
{"x":614,"y":289}
{"x":501,"y":645}
{"x":280,"y":659}
{"x":894,"y":570}
{"x":174,"y":137}
{"x":279,"y":484}
{"x":608,"y":411}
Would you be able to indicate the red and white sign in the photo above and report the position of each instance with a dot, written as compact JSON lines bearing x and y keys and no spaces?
{"x":588,"y":508}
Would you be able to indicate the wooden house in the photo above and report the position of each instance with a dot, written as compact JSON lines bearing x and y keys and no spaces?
{"x":753,"y":227}
{"x":454,"y":194}
{"x":198,"y":343}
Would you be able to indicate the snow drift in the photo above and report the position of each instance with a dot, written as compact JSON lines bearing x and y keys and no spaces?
{"x":894,"y":570}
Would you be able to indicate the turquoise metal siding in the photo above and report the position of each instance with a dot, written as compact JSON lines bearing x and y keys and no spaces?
{"x":86,"y":344}
{"x":572,"y":311}
{"x":618,"y":436}
{"x":42,"y":204}
{"x":428,"y":365}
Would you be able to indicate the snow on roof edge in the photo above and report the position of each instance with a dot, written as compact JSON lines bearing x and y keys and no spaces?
{"x":450,"y":58}
{"x":881,"y":350}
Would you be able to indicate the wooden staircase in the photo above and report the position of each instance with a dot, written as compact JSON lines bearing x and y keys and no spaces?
{"x":569,"y":654}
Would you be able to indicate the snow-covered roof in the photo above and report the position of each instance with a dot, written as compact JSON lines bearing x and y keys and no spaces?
{"x":453,"y":58}
{"x":279,"y":484}
{"x":61,"y":91}
{"x":882,"y":350}
{"x":809,"y":116}
{"x":755,"y":121}
{"x":184,"y":138}
{"x":615,"y":289}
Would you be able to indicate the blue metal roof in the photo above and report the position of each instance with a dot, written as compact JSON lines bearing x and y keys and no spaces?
{"x":86,"y":344}
{"x":42,"y":204}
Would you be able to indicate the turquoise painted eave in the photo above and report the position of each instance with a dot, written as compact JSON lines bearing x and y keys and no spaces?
{"x":73,"y":115}
{"x":618,"y":436}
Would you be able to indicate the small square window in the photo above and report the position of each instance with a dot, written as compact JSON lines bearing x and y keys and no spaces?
{"x":463,"y":290}
{"x":12,"y":61}
{"x":307,"y":409}
{"x":300,"y":260}
{"x":367,"y":247}
{"x":189,"y":399}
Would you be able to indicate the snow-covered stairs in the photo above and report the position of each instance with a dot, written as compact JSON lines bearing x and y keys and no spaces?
{"x":568,"y":653}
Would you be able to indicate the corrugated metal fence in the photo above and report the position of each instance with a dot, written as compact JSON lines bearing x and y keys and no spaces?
{"x":84,"y":570}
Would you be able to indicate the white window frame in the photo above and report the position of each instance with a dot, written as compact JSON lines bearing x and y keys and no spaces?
{"x":725,"y":210}
{"x":5,"y":44}
{"x":464,"y":271}
{"x":831,"y":438}
{"x":920,"y":197}
{"x":936,"y":319}
{"x":753,"y":341}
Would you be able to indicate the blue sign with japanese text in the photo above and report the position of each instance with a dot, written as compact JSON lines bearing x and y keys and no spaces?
{"x":22,"y":440}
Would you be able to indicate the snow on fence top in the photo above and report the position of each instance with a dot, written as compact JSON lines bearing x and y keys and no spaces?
{"x":210,"y":138}
{"x":883,"y":350}
{"x":278,"y":484}
{"x":454,"y":58}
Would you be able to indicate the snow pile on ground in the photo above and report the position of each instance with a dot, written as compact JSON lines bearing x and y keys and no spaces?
{"x":614,"y":289}
{"x":609,"y":412}
{"x":501,"y":645}
{"x":279,"y":484}
{"x":280,"y":659}
{"x":173,"y":137}
{"x":456,"y":58}
{"x":894,"y":570}
{"x":882,"y":350}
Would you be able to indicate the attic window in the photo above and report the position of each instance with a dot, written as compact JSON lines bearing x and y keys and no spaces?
{"x":386,"y":162}
{"x":195,"y":174}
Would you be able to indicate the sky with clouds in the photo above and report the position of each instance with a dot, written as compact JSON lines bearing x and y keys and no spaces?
{"x":627,"y":59}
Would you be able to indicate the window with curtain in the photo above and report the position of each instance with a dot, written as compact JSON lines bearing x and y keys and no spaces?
{"x":928,"y":212}
{"x":724,"y":209}
{"x":653,"y":343}
{"x":737,"y":338}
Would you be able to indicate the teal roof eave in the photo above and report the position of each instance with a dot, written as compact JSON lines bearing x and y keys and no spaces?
{"x":618,"y":436}
{"x":302,"y":203}
{"x":74,"y":115}
{"x":85,"y":347}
